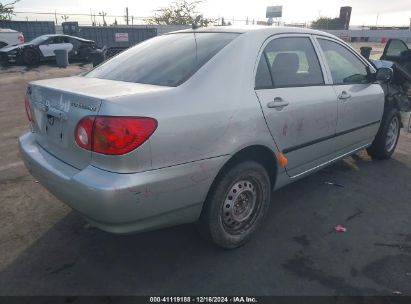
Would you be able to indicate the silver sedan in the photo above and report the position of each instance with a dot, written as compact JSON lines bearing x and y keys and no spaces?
{"x":201,"y":125}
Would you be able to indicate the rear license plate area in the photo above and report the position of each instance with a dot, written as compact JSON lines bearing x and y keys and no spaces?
{"x":53,"y":128}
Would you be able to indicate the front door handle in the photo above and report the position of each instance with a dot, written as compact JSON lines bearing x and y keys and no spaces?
{"x":344,"y":95}
{"x":278,"y":102}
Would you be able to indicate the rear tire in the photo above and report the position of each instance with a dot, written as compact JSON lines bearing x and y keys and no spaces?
{"x":30,"y":57}
{"x":236,"y":206}
{"x":386,"y":140}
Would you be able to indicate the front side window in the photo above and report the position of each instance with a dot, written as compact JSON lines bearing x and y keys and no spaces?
{"x":344,"y":66}
{"x":293,"y":62}
{"x":39,"y":40}
{"x":57,"y":40}
{"x":167,"y":60}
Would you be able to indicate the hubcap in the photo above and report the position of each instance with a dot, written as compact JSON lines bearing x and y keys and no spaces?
{"x":240,"y":206}
{"x":392,"y":134}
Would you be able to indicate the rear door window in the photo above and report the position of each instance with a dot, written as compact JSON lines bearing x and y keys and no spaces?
{"x":263,"y":78}
{"x":293,"y":62}
{"x":167,"y":60}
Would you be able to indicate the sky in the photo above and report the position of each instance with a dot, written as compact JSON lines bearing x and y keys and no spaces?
{"x":365,"y":12}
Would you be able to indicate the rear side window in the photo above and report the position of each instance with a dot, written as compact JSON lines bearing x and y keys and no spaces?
{"x":293,"y":62}
{"x":167,"y":60}
{"x":263,"y":77}
{"x":345,"y":67}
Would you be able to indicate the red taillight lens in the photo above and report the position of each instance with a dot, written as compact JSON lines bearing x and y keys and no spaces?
{"x":113,"y":135}
{"x":28,"y":109}
{"x":21,"y":38}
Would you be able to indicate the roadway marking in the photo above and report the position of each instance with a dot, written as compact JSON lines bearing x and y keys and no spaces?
{"x":12,"y":165}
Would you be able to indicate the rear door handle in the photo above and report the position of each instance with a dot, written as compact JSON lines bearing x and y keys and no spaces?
{"x":278,"y":102}
{"x":344,"y":95}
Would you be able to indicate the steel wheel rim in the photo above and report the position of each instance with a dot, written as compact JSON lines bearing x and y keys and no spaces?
{"x":241,"y":206}
{"x":392,"y":134}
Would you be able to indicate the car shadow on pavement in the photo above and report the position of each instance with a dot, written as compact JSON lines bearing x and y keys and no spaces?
{"x":296,"y":251}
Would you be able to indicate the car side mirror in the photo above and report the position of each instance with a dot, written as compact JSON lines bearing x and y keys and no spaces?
{"x":384,"y":74}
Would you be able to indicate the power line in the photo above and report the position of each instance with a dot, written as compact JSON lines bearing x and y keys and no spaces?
{"x":72,"y":14}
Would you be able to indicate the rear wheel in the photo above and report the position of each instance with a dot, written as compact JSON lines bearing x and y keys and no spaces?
{"x":386,"y":140}
{"x":30,"y":57}
{"x":236,"y":206}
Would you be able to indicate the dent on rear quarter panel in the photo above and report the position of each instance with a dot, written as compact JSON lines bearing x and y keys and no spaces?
{"x":214,"y":113}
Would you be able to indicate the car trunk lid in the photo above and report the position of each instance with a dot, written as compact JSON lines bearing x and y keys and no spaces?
{"x":57,"y":106}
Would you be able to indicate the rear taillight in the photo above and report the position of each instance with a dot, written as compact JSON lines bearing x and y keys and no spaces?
{"x":28,"y":109}
{"x":21,"y":38}
{"x":83,"y":132}
{"x":113,"y":135}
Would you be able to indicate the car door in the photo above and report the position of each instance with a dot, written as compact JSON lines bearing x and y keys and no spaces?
{"x":360,"y":99}
{"x":299,"y":108}
{"x":48,"y":47}
{"x":395,"y":50}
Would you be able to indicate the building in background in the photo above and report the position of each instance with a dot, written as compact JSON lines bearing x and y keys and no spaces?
{"x":340,"y":23}
{"x":345,"y":17}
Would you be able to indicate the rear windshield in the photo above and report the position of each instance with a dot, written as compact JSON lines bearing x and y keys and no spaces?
{"x":167,"y":60}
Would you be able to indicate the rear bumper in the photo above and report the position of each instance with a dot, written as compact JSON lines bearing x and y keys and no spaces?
{"x":124,"y":203}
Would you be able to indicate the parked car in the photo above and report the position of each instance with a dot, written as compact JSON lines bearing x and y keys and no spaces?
{"x":201,"y":125}
{"x":43,"y":47}
{"x":10,"y":37}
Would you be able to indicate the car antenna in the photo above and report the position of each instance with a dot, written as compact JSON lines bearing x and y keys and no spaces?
{"x":195,"y":24}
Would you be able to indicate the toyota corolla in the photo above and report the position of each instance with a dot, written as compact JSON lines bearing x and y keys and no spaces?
{"x":201,"y":125}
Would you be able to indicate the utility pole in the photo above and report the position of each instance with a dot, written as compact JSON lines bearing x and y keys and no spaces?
{"x":126,"y":16}
{"x":376,"y":22}
{"x":103,"y":14}
{"x":55,"y":16}
{"x":91,"y":17}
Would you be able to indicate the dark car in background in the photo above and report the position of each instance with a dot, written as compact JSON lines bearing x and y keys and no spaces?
{"x":42,"y":48}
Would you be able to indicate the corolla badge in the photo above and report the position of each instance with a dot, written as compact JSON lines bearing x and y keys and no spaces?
{"x":83,"y":106}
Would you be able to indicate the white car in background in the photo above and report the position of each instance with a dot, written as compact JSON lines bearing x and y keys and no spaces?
{"x":10,"y":37}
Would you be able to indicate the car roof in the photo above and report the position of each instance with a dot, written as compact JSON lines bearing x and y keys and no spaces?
{"x":62,"y":35}
{"x":256,"y":29}
{"x":3,"y":30}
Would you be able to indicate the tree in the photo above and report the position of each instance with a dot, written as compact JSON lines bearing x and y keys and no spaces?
{"x":324,"y":23}
{"x":181,"y":12}
{"x":7,"y":10}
